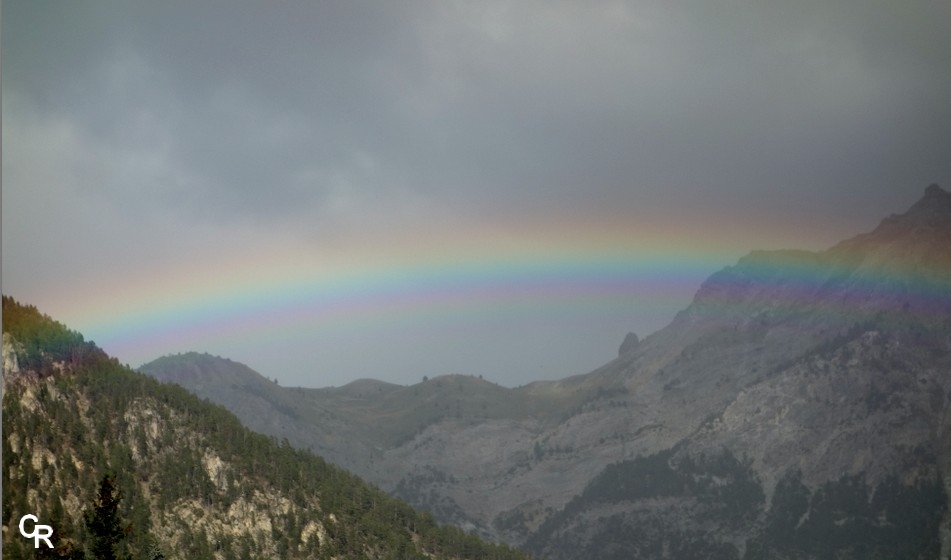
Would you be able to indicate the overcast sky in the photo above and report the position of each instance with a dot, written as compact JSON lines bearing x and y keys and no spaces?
{"x":155,"y":153}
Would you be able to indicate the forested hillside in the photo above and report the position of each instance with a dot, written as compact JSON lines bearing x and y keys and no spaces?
{"x":187,"y":479}
{"x":714,"y":508}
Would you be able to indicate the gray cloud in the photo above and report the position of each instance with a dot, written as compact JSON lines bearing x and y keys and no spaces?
{"x":315,"y":119}
{"x":528,"y":99}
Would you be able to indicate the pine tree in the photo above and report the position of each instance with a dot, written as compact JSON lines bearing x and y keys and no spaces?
{"x":104,"y":523}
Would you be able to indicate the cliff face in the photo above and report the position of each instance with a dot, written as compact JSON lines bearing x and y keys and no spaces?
{"x":857,"y":416}
{"x":819,"y":373}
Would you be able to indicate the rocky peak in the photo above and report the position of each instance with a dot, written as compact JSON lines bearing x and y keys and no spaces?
{"x":915,"y":242}
{"x":899,"y":271}
{"x":630,"y":342}
{"x":934,"y":190}
{"x":934,"y":209}
{"x":931,"y":212}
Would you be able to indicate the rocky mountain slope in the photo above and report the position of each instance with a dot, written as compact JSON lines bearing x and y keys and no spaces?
{"x":190,"y":480}
{"x":815,"y":382}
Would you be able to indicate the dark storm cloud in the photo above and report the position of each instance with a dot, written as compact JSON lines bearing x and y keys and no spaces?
{"x":276,"y":109}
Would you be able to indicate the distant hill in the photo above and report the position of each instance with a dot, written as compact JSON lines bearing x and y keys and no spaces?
{"x":194,"y":482}
{"x":353,"y":423}
{"x":799,"y":407}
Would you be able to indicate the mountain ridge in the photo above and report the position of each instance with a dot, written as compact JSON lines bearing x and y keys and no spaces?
{"x":839,"y":355}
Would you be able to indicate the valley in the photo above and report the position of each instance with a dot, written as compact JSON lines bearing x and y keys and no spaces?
{"x":822,"y":365}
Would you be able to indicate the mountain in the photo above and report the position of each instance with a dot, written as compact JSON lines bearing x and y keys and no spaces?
{"x":799,"y":407}
{"x":107,"y":455}
{"x":262,"y":405}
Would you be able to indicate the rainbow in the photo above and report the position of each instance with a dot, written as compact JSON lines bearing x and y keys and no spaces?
{"x":558,"y":270}
{"x":551,"y":271}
